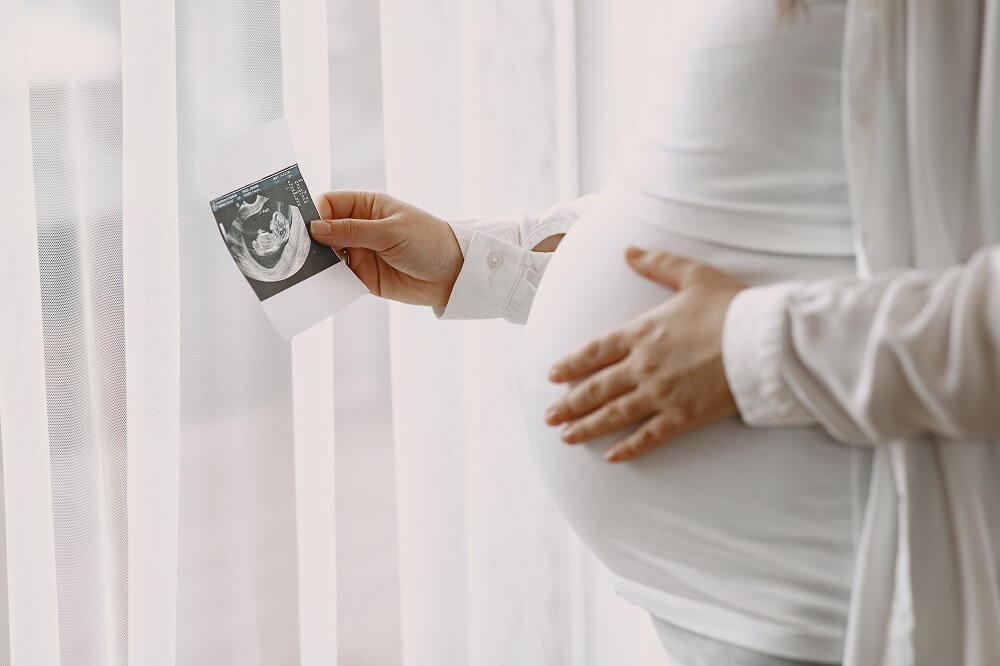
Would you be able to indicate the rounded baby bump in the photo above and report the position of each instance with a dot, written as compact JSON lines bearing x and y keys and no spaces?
{"x":715,"y":502}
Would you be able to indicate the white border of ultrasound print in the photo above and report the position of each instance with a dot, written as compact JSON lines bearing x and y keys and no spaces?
{"x":244,"y":160}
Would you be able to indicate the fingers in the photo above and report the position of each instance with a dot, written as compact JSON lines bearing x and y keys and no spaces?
{"x":363,"y":265}
{"x":612,"y":417}
{"x":355,"y":219}
{"x":360,"y":205}
{"x":590,"y":395}
{"x":377,"y":235}
{"x":667,"y":269}
{"x":649,"y":435}
{"x":595,"y":355}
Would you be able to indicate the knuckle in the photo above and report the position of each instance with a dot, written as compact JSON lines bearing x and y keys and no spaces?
{"x":669,"y":262}
{"x":369,"y":203}
{"x":593,"y":350}
{"x":324,"y":205}
{"x":647,"y":368}
{"x":351,"y":230}
{"x":644,"y":328}
{"x":679,"y":414}
{"x":661,"y":430}
{"x":592,"y":391}
{"x":657,"y":257}
{"x":663,"y":387}
{"x":614,"y":414}
{"x":648,"y":396}
{"x":634,"y":443}
{"x":630,"y":410}
{"x":638,"y":444}
{"x":672,"y":415}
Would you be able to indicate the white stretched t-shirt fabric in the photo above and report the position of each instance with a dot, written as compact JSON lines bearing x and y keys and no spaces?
{"x":744,"y":147}
{"x":744,"y":536}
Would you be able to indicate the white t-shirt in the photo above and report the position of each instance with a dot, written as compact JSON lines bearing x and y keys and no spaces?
{"x":744,"y":147}
{"x":746,"y":536}
{"x":743,"y":535}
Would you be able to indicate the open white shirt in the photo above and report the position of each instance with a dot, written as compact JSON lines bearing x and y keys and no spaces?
{"x":904,"y":357}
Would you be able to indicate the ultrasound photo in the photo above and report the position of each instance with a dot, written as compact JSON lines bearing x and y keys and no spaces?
{"x":264,"y":225}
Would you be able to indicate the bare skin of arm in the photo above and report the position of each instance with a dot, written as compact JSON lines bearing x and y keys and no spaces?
{"x":549,"y":244}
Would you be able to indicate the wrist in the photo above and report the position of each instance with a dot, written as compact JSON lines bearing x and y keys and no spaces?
{"x":752,"y":351}
{"x":548,"y":244}
{"x":455,"y":259}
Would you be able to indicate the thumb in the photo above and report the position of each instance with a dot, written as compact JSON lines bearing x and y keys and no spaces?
{"x":377,"y":235}
{"x":667,"y":269}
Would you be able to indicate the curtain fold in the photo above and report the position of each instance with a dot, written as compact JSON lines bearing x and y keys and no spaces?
{"x":305,"y":81}
{"x":152,"y":322}
{"x":167,"y":458}
{"x":236,"y":530}
{"x":31,"y":585}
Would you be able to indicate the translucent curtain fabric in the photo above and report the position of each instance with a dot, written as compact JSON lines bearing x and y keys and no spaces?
{"x":167,"y":459}
{"x":32,"y":613}
{"x":65,"y":499}
{"x":150,"y":267}
{"x":483,"y":116}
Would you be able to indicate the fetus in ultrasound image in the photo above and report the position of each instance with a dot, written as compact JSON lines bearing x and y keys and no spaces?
{"x":264,"y":225}
{"x":268,"y":239}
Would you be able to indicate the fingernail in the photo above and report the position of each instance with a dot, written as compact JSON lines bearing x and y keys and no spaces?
{"x":552,"y":415}
{"x":633,"y":252}
{"x":555,"y":375}
{"x":568,"y":435}
{"x":612,"y":456}
{"x":320,"y":227}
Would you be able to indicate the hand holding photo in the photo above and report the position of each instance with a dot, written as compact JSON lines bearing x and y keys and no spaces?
{"x":262,"y":214}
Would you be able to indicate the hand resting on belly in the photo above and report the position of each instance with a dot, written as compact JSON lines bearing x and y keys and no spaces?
{"x":663,"y":368}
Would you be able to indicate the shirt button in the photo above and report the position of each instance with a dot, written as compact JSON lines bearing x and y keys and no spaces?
{"x":493,"y":260}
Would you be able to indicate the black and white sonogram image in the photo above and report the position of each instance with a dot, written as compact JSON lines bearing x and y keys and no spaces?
{"x":265,"y":228}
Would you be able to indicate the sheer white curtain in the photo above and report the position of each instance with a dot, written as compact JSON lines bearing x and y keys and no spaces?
{"x":167,"y":457}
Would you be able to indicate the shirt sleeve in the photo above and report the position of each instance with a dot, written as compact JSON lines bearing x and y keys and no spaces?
{"x":500,"y":273}
{"x":872,"y":361}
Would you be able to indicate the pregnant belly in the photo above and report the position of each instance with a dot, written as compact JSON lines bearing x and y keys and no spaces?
{"x":744,"y":535}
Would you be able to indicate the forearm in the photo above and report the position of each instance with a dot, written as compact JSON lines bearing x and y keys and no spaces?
{"x":872,"y":361}
{"x":549,"y":244}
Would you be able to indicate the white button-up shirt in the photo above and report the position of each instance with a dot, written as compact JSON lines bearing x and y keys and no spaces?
{"x":904,"y":357}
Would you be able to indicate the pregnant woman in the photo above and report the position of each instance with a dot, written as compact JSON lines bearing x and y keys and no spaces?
{"x":744,"y":545}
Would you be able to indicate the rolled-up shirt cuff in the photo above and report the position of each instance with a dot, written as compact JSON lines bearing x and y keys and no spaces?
{"x":498,"y":279}
{"x":753,"y":337}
